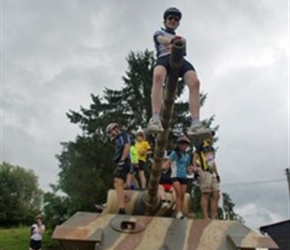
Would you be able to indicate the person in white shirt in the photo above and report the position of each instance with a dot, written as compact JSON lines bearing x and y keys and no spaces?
{"x":37,"y":229}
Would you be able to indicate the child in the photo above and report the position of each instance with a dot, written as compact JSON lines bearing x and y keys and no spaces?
{"x":180,"y":161}
{"x":132,"y":182}
{"x":36,"y":232}
{"x":143,"y":150}
{"x":163,"y":40}
{"x":204,"y":164}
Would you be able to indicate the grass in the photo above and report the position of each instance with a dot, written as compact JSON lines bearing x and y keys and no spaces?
{"x":18,"y":239}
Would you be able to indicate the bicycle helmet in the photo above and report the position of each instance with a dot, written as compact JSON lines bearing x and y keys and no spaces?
{"x":183,"y":139}
{"x":140,"y":133}
{"x":172,"y":12}
{"x":111,"y":126}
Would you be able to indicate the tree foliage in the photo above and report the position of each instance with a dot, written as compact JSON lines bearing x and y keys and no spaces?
{"x":56,"y":207}
{"x":86,"y":173}
{"x":227,"y":209}
{"x":20,"y":196}
{"x":86,"y":165}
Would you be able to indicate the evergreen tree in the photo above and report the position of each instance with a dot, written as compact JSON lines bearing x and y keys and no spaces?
{"x":86,"y":167}
{"x":227,"y":210}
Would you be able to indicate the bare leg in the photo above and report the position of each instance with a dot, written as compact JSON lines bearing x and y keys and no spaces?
{"x":173,"y":194}
{"x":159,"y":75}
{"x":190,"y":78}
{"x":178,"y":193}
{"x":204,"y":205}
{"x":183,"y":191}
{"x":214,"y":204}
{"x":119,"y":186}
{"x":128,"y":180}
{"x":135,"y":182}
{"x":142,"y":179}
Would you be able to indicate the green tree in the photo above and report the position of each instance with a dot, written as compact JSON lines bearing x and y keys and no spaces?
{"x":56,"y":208}
{"x":85,"y":174}
{"x":227,"y":210}
{"x":20,"y":196}
{"x":86,"y":167}
{"x":131,"y":105}
{"x":86,"y":164}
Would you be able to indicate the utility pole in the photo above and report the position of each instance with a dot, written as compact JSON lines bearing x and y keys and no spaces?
{"x":288,"y":179}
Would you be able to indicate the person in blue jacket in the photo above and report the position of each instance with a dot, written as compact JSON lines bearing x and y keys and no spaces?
{"x":180,"y":162}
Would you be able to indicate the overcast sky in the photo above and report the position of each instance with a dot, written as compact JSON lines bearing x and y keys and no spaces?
{"x":56,"y":53}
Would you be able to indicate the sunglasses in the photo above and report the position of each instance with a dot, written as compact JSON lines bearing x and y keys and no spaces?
{"x":170,"y":18}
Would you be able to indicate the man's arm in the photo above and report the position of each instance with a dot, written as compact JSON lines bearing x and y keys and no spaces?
{"x":148,"y":149}
{"x":215,"y":168}
{"x":168,"y":41}
{"x":164,"y":40}
{"x":194,"y":162}
{"x":216,"y":172}
{"x":126,"y":152}
{"x":32,"y":229}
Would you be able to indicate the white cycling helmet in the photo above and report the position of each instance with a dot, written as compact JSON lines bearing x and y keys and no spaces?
{"x":111,"y":126}
{"x":183,"y":139}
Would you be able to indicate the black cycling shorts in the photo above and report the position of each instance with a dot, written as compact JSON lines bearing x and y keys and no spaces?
{"x":122,"y":171}
{"x":182,"y":181}
{"x":141,"y":165}
{"x":165,"y":61}
{"x":35,"y":244}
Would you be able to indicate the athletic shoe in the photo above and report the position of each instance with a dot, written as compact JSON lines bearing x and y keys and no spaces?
{"x":154,"y":126}
{"x":179,"y":215}
{"x":197,"y":129}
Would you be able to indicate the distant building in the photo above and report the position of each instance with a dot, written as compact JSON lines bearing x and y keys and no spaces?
{"x":279,"y":232}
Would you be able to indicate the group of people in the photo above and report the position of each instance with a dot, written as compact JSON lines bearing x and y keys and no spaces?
{"x":130,"y":157}
{"x":176,"y":168}
{"x":178,"y":162}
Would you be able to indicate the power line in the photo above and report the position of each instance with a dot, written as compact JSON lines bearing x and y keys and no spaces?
{"x":253,"y":182}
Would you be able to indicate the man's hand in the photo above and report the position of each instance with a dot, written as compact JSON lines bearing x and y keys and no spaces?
{"x":176,"y":38}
